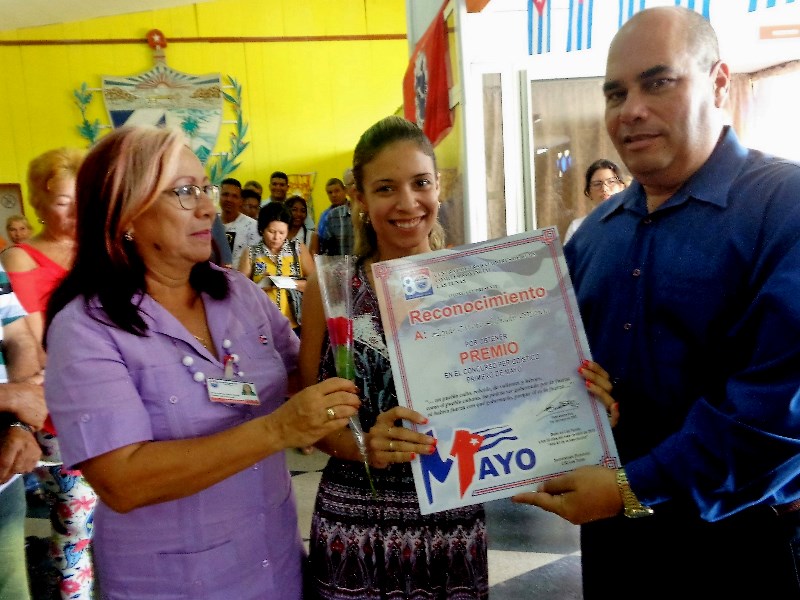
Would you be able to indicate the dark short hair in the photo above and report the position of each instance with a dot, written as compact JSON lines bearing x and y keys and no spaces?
{"x":292,"y":200}
{"x":274,"y":211}
{"x":601,"y":163}
{"x":279,"y":175}
{"x":386,"y":132}
{"x":248,"y":193}
{"x":334,"y":180}
{"x":231,"y":181}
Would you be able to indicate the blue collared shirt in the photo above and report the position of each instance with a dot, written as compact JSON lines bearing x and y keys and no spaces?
{"x":337,"y":237}
{"x":694,"y":310}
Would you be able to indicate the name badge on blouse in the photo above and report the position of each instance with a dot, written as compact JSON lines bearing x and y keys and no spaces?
{"x":228,"y":391}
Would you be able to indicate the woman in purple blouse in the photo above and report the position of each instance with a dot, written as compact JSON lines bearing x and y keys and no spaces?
{"x":149,"y":350}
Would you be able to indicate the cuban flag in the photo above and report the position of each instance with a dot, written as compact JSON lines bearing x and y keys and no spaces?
{"x":538,"y":26}
{"x":579,"y":34}
{"x":695,"y":5}
{"x":628,"y":8}
{"x":426,"y":84}
{"x":756,"y":4}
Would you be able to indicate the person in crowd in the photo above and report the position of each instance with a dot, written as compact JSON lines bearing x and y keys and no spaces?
{"x":144,"y":336}
{"x":251,"y":203}
{"x":688,"y":283}
{"x":358,"y":543}
{"x":276,"y":255}
{"x":337,"y":194}
{"x":603,"y":180}
{"x":18,"y":229}
{"x":22,"y":412}
{"x":255,"y":186}
{"x":241,"y":230}
{"x":35,"y":268}
{"x":278,"y":188}
{"x":335,"y":233}
{"x":298,"y":208}
{"x":220,"y":248}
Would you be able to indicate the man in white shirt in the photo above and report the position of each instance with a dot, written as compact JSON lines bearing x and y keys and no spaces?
{"x":241,"y":230}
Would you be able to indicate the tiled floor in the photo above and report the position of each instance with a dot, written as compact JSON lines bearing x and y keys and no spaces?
{"x":532,"y":554}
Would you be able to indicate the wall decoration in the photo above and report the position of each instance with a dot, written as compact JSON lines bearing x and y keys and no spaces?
{"x":426,"y":84}
{"x":581,"y":16}
{"x":301,"y":184}
{"x":690,"y":4}
{"x":541,"y":37}
{"x":580,"y":25}
{"x":226,"y":162}
{"x":756,"y":4}
{"x":165,"y":97}
{"x":88,"y":130}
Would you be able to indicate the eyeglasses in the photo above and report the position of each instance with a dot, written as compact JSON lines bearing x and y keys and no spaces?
{"x":189,"y":195}
{"x":610,"y":182}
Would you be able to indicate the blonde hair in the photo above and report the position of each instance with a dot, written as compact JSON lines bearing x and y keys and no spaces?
{"x":385,"y":132}
{"x":15,"y":218}
{"x":61,"y":163}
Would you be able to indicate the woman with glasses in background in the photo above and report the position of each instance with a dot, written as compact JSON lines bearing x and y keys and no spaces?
{"x":150,"y":346}
{"x":603,"y":180}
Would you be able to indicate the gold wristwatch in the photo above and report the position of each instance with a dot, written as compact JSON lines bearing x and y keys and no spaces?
{"x":633,"y":508}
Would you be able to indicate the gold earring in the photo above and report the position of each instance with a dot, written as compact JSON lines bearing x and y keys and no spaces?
{"x":128,"y":235}
{"x":364,"y":216}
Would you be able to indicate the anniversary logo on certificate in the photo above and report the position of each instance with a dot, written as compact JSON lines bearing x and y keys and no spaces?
{"x":486,"y":340}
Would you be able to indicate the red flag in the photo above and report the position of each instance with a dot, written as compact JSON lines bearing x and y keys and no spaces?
{"x":426,"y":85}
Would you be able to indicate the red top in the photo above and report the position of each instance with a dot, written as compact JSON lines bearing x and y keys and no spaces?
{"x":33,"y":288}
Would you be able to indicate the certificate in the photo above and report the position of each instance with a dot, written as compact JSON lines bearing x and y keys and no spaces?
{"x":287,"y":283}
{"x":486,"y":340}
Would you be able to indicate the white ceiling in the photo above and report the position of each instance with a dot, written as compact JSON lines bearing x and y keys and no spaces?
{"x":16,"y":14}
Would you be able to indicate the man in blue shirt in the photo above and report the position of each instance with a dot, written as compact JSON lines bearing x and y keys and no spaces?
{"x":689,"y":288}
{"x":335,"y":235}
{"x":337,"y":194}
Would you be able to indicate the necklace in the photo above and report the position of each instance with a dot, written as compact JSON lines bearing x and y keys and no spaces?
{"x":230,"y":363}
{"x":203,"y":341}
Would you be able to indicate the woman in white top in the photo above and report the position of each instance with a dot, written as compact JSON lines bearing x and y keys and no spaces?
{"x":603,"y":180}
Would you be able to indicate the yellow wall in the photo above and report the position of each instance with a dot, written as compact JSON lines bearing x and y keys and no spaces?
{"x":306,"y":102}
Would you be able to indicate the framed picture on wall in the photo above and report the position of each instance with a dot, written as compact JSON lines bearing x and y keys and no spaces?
{"x":10,"y":204}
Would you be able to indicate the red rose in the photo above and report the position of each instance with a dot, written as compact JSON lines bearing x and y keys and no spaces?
{"x":340,"y":330}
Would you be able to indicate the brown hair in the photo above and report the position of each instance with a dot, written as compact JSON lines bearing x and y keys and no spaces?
{"x":121,"y":177}
{"x":385,"y":132}
{"x":124,"y":174}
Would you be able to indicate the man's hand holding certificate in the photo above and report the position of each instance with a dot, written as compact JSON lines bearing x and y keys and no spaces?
{"x":486,"y":341}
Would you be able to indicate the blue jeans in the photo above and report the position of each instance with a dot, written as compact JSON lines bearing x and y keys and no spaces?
{"x":13,"y":570}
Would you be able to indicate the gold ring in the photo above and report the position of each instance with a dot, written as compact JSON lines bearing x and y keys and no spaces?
{"x":331,"y":413}
{"x":391,"y":446}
